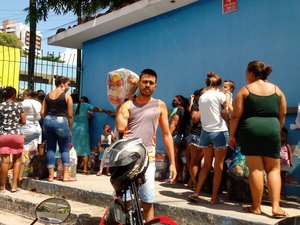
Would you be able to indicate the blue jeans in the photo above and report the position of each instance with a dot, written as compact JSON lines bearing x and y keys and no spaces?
{"x":57,"y":131}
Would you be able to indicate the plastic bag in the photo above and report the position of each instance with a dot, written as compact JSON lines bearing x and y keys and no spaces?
{"x":73,"y":162}
{"x":298,"y":117}
{"x":237,"y":168}
{"x":72,"y":167}
{"x":297,"y":121}
{"x":121,"y":84}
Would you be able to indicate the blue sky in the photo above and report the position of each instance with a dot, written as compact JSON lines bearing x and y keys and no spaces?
{"x":14,"y":10}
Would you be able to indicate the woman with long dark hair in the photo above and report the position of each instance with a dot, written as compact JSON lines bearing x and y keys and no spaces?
{"x":80,"y":130}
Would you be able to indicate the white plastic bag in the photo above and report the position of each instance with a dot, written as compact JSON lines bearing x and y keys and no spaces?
{"x":297,"y":125}
{"x":121,"y":84}
{"x":72,"y":167}
{"x":298,"y":117}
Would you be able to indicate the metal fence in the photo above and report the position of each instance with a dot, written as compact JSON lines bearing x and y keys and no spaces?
{"x":14,"y":69}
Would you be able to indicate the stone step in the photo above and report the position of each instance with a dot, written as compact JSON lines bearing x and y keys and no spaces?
{"x":23,"y":203}
{"x":68,"y":191}
{"x":7,"y":218}
{"x":171,"y":201}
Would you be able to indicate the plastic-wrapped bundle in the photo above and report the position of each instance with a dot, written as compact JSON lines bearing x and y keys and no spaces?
{"x":238,"y":168}
{"x":121,"y":84}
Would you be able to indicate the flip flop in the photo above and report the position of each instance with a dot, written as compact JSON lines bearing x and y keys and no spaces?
{"x":194,"y":198}
{"x":249,"y":209}
{"x":280,"y":215}
{"x":50,"y":179}
{"x":219,"y":201}
{"x":86,"y":172}
{"x":70,"y":179}
{"x":15,"y":190}
{"x":99,"y":174}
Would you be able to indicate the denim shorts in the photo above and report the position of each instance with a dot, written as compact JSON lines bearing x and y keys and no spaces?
{"x":214,"y":139}
{"x":194,"y":140}
{"x":146,"y":191}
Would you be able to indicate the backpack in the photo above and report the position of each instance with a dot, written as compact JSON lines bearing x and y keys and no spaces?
{"x":38,"y":167}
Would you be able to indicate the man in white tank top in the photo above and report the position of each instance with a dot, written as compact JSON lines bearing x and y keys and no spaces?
{"x":140,"y":118}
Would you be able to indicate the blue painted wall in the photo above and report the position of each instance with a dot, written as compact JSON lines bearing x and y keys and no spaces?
{"x":183,"y":45}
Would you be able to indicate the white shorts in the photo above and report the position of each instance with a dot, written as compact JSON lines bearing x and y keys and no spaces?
{"x":146,"y":191}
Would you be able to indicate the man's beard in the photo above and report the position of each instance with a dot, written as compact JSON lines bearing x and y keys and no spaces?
{"x":146,"y":94}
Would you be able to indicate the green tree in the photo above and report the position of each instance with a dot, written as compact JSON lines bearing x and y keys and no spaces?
{"x":79,"y":8}
{"x":10,"y":40}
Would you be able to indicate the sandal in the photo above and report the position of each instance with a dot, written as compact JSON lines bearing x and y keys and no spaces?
{"x":249,"y":209}
{"x":99,"y":173}
{"x":15,"y":190}
{"x":86,"y":172}
{"x":194,"y":198}
{"x":280,"y":215}
{"x":219,"y":201}
{"x":69,"y":179}
{"x":50,"y":179}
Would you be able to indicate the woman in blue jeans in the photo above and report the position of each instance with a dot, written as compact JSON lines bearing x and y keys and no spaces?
{"x":57,"y":111}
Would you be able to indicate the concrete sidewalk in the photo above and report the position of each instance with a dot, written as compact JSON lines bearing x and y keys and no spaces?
{"x":171,"y":201}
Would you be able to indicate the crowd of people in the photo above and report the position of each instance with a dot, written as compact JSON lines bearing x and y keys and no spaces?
{"x":40,"y":124}
{"x":252,"y":123}
{"x":203,"y":130}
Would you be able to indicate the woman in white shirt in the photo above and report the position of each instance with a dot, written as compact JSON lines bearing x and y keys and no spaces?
{"x":214,"y":135}
{"x":31,"y":131}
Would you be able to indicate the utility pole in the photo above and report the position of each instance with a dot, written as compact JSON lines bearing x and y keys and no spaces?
{"x":32,"y":41}
{"x":79,"y":70}
{"x":79,"y":57}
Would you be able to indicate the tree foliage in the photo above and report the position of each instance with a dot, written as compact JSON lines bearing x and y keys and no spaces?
{"x":79,"y":8}
{"x":10,"y":40}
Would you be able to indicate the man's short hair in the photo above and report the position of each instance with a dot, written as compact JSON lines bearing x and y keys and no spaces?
{"x":149,"y":72}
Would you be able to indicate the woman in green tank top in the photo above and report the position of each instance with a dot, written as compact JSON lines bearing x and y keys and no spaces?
{"x":258,"y":116}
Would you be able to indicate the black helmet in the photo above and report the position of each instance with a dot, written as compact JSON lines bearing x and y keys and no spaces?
{"x":128,"y":160}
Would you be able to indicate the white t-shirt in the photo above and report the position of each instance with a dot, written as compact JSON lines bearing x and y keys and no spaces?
{"x":210,"y":105}
{"x":32,"y":109}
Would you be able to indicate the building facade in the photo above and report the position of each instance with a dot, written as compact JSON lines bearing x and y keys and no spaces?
{"x":22,"y":31}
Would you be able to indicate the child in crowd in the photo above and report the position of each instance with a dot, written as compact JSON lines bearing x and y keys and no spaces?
{"x":228,"y":89}
{"x":286,"y":157}
{"x":105,"y":140}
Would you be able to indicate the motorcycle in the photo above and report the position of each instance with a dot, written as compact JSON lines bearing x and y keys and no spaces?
{"x":52,"y":211}
{"x":128,"y":161}
{"x":294,"y":220}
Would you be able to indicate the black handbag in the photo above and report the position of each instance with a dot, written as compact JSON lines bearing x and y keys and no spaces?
{"x":1,"y":119}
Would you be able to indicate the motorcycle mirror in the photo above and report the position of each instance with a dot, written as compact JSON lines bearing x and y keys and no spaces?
{"x":53,"y":210}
